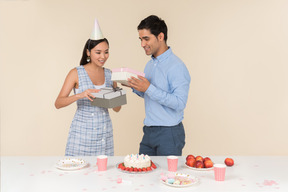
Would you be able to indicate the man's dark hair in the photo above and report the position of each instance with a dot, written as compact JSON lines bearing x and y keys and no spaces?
{"x":155,"y":24}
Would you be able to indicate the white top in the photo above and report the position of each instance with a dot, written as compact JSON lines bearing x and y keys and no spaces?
{"x":99,"y":86}
{"x":96,"y":87}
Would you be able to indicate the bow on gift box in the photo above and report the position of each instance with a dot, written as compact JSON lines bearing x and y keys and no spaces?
{"x":117,"y":89}
{"x":113,"y":90}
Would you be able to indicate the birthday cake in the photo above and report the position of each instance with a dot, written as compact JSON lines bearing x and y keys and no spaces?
{"x":137,"y":163}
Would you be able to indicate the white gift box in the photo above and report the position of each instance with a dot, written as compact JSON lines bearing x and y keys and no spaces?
{"x":121,"y":75}
{"x":109,"y":97}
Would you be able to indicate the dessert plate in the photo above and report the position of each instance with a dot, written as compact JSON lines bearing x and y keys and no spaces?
{"x":137,"y":172}
{"x":199,"y":169}
{"x":71,"y":164}
{"x":179,"y":180}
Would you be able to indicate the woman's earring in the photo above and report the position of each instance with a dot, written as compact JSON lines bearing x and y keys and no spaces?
{"x":88,"y":59}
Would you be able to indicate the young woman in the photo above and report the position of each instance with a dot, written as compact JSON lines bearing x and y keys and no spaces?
{"x":91,"y":130}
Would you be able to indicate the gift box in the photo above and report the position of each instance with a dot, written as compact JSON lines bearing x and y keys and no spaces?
{"x":109,"y":97}
{"x":121,"y":75}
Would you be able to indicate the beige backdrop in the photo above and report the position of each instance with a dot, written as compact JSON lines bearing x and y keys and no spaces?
{"x":236,"y":52}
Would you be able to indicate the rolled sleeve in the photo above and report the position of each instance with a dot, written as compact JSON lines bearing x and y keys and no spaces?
{"x":177,"y":97}
{"x":167,"y":95}
{"x":140,"y":94}
{"x":151,"y":90}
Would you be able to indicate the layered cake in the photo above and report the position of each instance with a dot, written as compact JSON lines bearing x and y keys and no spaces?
{"x":137,"y":163}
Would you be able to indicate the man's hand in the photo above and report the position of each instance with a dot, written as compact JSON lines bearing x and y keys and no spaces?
{"x":140,"y":84}
{"x":125,"y":85}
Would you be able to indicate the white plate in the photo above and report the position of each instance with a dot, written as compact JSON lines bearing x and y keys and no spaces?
{"x":142,"y":172}
{"x":199,"y":169}
{"x":193,"y":180}
{"x":71,"y":164}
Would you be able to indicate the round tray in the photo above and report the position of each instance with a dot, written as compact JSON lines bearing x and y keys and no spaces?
{"x":194,"y":180}
{"x":71,"y":164}
{"x":199,"y":169}
{"x":134,"y":172}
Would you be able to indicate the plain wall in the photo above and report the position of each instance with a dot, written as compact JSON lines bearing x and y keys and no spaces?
{"x":235,"y":51}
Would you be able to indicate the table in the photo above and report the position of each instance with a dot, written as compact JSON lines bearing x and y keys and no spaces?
{"x":38,"y":174}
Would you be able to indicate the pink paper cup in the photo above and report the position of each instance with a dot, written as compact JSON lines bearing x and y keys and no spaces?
{"x":172,"y":163}
{"x":219,"y":172}
{"x":102,"y":162}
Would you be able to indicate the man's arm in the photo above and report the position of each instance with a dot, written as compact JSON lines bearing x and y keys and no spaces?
{"x":179,"y":82}
{"x":139,"y":93}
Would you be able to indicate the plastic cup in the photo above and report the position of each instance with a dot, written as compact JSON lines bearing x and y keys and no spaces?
{"x":172,"y":163}
{"x":102,"y":162}
{"x":219,"y":172}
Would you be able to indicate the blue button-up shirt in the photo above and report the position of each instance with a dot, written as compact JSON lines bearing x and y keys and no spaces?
{"x":166,"y":97}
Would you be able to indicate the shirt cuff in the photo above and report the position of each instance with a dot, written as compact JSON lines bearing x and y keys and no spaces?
{"x":151,"y":89}
{"x":134,"y":90}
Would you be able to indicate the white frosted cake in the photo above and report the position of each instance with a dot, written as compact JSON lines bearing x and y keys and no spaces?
{"x":137,"y":161}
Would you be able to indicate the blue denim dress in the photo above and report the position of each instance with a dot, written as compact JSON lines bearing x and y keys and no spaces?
{"x":91,"y":132}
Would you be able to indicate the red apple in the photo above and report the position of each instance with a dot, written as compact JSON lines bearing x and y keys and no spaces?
{"x":191,"y":162}
{"x":189,"y":157}
{"x":206,"y":158}
{"x":229,"y":162}
{"x":208,"y":163}
{"x":199,"y":164}
{"x":199,"y":158}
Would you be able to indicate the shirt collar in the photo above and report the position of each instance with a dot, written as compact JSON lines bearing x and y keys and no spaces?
{"x":163,"y":56}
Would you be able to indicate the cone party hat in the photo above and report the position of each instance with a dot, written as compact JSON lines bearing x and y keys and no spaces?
{"x":96,"y":33}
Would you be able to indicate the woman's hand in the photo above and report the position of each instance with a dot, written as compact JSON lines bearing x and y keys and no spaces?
{"x":116,"y":109}
{"x":88,"y":93}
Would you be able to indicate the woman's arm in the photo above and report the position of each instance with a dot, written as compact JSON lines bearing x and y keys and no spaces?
{"x":70,"y":82}
{"x":116,"y":109}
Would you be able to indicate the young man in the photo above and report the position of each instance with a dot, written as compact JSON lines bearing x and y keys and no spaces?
{"x":164,"y":89}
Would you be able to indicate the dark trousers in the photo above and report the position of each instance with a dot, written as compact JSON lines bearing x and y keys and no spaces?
{"x":163,"y":140}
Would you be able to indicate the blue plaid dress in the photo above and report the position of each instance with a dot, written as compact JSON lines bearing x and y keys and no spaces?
{"x":91,"y":132}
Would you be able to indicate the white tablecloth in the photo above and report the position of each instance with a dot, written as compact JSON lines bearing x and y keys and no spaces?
{"x":38,"y":174}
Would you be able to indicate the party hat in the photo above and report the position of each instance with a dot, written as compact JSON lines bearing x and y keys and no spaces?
{"x":96,"y":33}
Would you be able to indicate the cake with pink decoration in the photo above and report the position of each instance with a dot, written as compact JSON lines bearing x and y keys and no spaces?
{"x":137,"y":161}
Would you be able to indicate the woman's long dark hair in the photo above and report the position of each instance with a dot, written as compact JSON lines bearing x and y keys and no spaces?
{"x":90,"y":44}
